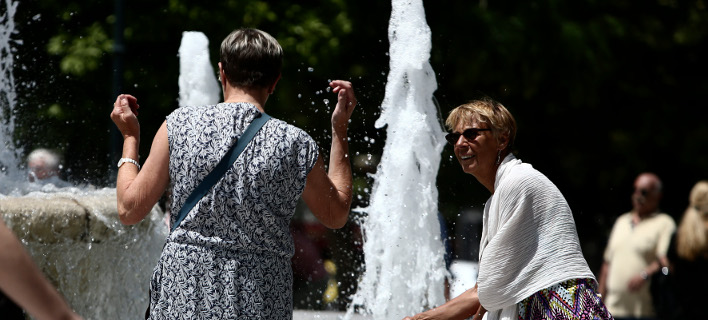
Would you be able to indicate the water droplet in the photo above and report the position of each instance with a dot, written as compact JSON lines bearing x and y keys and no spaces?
{"x":310,"y":69}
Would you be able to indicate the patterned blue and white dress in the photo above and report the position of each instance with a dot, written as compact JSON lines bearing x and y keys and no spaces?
{"x":230,"y":257}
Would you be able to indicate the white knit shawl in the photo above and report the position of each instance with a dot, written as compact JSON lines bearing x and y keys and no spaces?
{"x":529,"y":241}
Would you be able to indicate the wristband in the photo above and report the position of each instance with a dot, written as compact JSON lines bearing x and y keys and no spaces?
{"x":129,"y":160}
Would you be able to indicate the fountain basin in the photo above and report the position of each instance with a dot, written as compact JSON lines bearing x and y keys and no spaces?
{"x":101,"y":267}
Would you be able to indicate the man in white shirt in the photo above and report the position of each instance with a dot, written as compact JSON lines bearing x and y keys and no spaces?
{"x":637,"y":246}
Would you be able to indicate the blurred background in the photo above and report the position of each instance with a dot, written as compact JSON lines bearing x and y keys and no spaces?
{"x":601,"y":91}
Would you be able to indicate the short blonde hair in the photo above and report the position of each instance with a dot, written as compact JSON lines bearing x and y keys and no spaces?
{"x":488,"y":111}
{"x":692,"y":233}
{"x":251,"y":58}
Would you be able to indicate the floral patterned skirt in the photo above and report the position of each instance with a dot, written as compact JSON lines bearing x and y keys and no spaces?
{"x":569,"y":300}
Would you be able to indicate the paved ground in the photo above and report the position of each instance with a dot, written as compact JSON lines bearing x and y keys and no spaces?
{"x":322,"y":315}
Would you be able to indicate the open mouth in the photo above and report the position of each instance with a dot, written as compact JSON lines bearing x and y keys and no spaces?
{"x":465,"y":157}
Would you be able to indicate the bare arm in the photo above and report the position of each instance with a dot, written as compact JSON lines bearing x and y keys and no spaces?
{"x":22,"y":281}
{"x":329,"y":194}
{"x":139,"y":190}
{"x":461,"y":307}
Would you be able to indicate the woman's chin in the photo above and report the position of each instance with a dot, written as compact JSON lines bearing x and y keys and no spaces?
{"x":469,"y":169}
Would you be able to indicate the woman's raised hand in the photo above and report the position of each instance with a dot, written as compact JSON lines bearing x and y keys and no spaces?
{"x":346,"y":101}
{"x":124,"y":115}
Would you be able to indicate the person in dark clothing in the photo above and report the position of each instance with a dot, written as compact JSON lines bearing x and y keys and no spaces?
{"x":688,"y":257}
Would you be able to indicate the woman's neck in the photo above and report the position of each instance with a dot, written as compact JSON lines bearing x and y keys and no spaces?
{"x":254,"y":96}
{"x":490,"y":178}
{"x":487,"y":182}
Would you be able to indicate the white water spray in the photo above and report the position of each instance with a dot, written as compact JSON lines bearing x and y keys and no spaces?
{"x":197,"y":81}
{"x":403,"y":251}
{"x":8,"y":97}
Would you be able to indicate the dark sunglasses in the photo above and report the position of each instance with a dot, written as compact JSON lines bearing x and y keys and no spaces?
{"x":469,"y":134}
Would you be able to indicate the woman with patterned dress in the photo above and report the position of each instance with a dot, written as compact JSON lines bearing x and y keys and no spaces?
{"x":530,"y":262}
{"x":230,"y":256}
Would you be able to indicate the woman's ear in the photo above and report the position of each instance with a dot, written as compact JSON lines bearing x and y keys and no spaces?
{"x":503,"y":141}
{"x":222,"y":76}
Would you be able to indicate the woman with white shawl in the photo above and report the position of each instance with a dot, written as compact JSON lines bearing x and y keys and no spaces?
{"x":530,"y":262}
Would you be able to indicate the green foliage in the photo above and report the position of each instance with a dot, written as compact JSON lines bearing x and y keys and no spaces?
{"x":82,"y":53}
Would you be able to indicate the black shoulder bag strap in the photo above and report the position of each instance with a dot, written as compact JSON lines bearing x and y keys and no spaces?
{"x":220,"y":169}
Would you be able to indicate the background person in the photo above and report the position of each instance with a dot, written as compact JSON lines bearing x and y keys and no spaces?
{"x":230,"y":257}
{"x":688,"y":257}
{"x":21,"y":281}
{"x":531,"y":265}
{"x":638,"y":242}
{"x":42,"y":164}
{"x":44,"y":169}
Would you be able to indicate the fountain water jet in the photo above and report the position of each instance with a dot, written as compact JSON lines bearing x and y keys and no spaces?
{"x":8,"y":97}
{"x":403,"y":251}
{"x":197,"y":83}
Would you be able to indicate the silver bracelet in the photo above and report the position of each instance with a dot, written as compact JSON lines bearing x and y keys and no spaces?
{"x":129,"y":160}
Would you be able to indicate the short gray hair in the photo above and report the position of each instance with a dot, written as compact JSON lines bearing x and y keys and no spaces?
{"x":251,"y":58}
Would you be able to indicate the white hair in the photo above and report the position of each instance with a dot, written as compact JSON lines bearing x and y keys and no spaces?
{"x":48,"y":157}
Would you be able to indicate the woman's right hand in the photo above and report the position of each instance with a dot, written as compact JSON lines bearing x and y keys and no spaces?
{"x":346,"y":101}
{"x":464,"y":306}
{"x":479,"y":315}
{"x":124,"y":115}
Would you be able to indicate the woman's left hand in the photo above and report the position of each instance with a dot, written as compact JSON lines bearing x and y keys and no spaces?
{"x":124,"y":115}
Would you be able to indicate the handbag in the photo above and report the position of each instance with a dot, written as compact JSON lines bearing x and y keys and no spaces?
{"x":215,"y":175}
